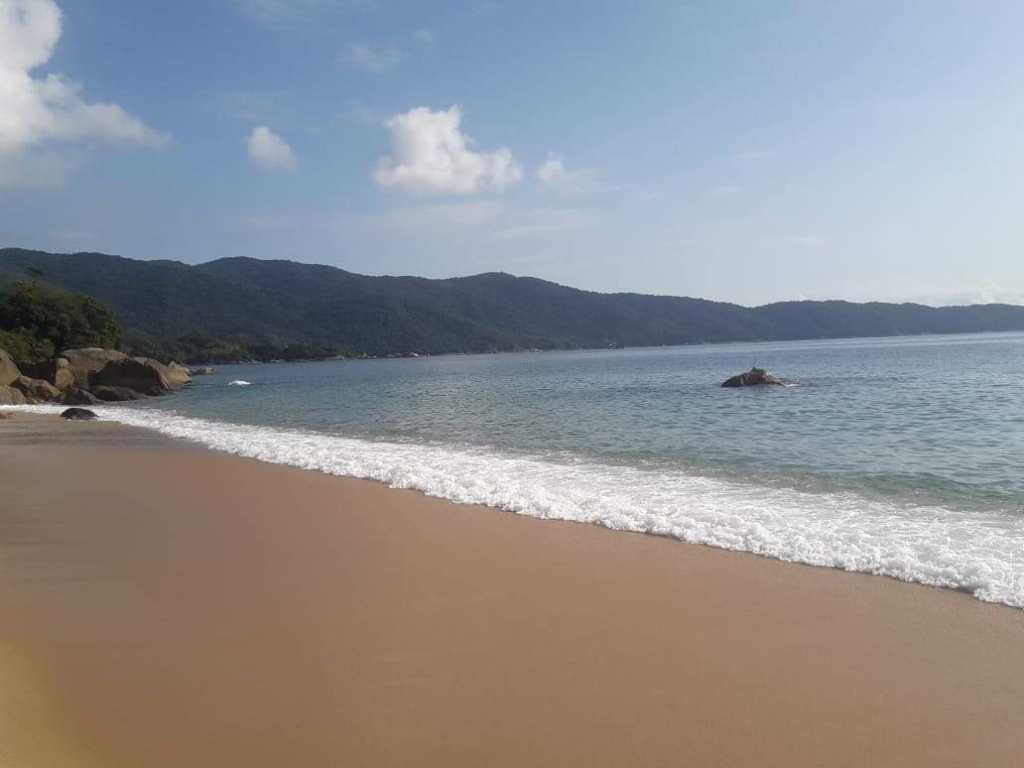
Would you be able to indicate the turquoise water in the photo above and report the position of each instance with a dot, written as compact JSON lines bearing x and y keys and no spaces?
{"x":897,"y":456}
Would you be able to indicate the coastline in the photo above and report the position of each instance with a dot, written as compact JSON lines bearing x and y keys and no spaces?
{"x":184,"y":607}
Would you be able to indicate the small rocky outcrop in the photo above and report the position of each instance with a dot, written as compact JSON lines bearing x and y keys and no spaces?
{"x":78,"y":414}
{"x":202,"y":371}
{"x":755,"y":377}
{"x":8,"y":370}
{"x":11,"y":396}
{"x":87,"y":376}
{"x":143,"y":374}
{"x":36,"y":390}
{"x":56,"y":371}
{"x":76,"y":396}
{"x":178,"y":375}
{"x":86,"y":361}
{"x":112,"y":394}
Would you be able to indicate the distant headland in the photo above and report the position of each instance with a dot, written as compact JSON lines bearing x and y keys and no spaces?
{"x":249,"y":309}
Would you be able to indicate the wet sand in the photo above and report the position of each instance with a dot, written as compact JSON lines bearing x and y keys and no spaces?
{"x":163,"y":605}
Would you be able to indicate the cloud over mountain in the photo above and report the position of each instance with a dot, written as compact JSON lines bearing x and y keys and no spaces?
{"x":430,"y":154}
{"x":269,"y":150}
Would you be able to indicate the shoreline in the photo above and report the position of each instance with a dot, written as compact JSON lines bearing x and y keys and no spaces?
{"x":193,"y":607}
{"x":716,"y":512}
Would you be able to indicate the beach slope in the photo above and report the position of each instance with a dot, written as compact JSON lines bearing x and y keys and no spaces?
{"x":163,"y":605}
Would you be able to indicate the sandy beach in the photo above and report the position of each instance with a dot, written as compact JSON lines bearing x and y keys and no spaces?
{"x":164,"y":605}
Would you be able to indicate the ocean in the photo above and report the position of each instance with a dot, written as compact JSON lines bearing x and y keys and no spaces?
{"x":902,"y":457}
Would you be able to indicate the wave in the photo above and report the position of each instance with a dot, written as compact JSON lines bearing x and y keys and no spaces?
{"x":981,"y":553}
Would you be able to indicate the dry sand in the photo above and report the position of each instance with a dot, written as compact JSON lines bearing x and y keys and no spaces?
{"x":161,"y":605}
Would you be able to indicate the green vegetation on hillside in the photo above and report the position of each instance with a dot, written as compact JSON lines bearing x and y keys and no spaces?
{"x":200,"y":349}
{"x":250,"y":309}
{"x":37,"y":320}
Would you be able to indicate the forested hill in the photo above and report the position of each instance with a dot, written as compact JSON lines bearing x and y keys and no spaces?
{"x":240,"y":303}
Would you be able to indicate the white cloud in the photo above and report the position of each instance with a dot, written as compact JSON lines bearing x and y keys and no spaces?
{"x":552,"y":173}
{"x":372,"y":58}
{"x":552,"y":170}
{"x":269,"y":150}
{"x":431,"y":154}
{"x":35,"y":111}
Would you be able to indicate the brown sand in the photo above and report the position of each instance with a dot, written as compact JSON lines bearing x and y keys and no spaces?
{"x":161,"y":605}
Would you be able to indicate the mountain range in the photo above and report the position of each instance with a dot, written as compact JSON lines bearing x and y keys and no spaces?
{"x":241,"y":303}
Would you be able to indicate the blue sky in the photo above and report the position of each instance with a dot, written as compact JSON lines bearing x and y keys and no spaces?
{"x":748,"y":152}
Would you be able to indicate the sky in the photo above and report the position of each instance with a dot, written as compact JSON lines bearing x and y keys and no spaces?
{"x":737,"y":151}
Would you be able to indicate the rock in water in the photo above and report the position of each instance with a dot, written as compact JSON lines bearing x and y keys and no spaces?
{"x":755,"y":377}
{"x":8,"y":370}
{"x":78,"y":414}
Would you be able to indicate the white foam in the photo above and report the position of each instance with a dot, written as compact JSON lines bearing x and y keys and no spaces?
{"x":978,"y":552}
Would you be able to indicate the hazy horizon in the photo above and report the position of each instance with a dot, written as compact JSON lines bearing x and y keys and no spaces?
{"x":859,"y":151}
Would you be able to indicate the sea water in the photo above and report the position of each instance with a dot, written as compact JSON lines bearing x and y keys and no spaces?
{"x":901,"y":457}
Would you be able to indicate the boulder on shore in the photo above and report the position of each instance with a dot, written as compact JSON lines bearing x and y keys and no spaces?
{"x":36,"y":390}
{"x":143,"y":374}
{"x":202,"y":371}
{"x":8,"y":370}
{"x":78,"y":414}
{"x":178,"y":375}
{"x":11,"y":396}
{"x":112,"y":394}
{"x":755,"y":377}
{"x":86,"y":361}
{"x":76,"y":396}
{"x":56,"y":371}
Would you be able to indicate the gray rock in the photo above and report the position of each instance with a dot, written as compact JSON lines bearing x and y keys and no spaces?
{"x":78,"y":414}
{"x":36,"y":390}
{"x":8,"y":370}
{"x":75,"y":396}
{"x":11,"y":396}
{"x":56,"y":371}
{"x":86,"y":361}
{"x":143,"y":374}
{"x":178,"y":375}
{"x":755,"y":377}
{"x":111,"y":394}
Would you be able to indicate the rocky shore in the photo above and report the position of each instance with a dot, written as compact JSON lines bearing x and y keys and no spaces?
{"x":88,"y":376}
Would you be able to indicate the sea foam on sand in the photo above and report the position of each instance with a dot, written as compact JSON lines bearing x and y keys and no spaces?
{"x":981,"y":553}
